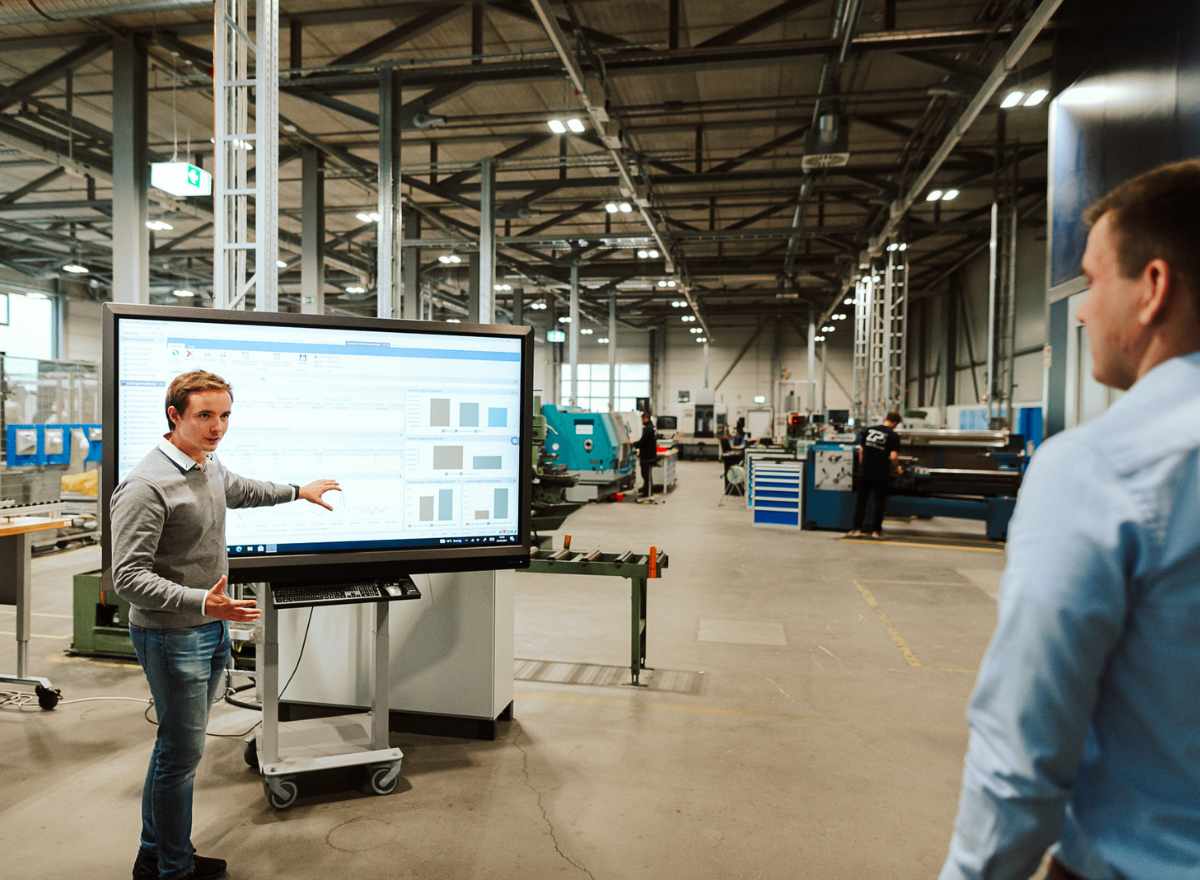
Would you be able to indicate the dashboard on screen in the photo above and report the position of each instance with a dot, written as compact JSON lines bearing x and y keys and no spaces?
{"x":421,"y":429}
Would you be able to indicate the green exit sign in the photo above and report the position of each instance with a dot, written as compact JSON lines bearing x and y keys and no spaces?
{"x":181,"y":179}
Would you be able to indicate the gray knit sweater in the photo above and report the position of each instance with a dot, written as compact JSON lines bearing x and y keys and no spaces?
{"x":168,"y":534}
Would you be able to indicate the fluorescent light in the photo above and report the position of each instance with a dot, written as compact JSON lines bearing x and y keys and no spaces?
{"x":356,"y":288}
{"x":893,"y":247}
{"x":564,"y":319}
{"x":586,"y":331}
{"x":849,"y":301}
{"x":904,"y":245}
{"x":653,"y":254}
{"x":949,"y":195}
{"x":643,"y":254}
{"x":828,"y":328}
{"x":368,"y":216}
{"x":159,"y":226}
{"x":504,"y":288}
{"x":934,"y":195}
{"x":281,"y":264}
{"x":702,"y":339}
{"x":1036,"y":97}
{"x":1012,"y":99}
{"x":626,"y":208}
{"x":75,"y":269}
{"x":671,"y":283}
{"x":695,"y":330}
{"x":576,"y":125}
{"x":557,"y":126}
{"x":818,"y":339}
{"x":182,"y":292}
{"x":603,"y":340}
{"x":453,"y":320}
{"x":583,"y":242}
{"x":612,"y":207}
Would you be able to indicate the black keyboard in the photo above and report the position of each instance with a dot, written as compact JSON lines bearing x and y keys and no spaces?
{"x":345,"y":594}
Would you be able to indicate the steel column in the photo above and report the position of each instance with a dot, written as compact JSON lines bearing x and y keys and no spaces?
{"x":994,"y":295}
{"x":518,"y":306}
{"x":131,"y":239}
{"x":573,"y":335}
{"x":391,"y":222}
{"x":612,"y":352}
{"x":812,"y":360}
{"x":312,"y":260}
{"x":487,"y":241}
{"x":266,"y":163}
{"x":410,"y":272}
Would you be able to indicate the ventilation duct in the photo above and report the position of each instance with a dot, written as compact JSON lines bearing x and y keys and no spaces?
{"x":33,"y":11}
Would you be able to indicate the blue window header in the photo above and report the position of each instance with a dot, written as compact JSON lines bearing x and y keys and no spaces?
{"x":367,"y":349}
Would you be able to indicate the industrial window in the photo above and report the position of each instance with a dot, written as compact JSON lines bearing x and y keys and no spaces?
{"x":29,"y":329}
{"x":633,"y":381}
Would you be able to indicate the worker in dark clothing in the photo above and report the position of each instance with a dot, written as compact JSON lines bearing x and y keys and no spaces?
{"x":878,"y":454}
{"x":647,"y":448}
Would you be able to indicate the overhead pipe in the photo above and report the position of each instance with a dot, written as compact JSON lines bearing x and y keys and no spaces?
{"x":598,"y":116}
{"x":31,"y":12}
{"x":1036,"y":23}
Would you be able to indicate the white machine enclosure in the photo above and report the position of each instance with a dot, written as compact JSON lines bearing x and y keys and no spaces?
{"x":451,"y":650}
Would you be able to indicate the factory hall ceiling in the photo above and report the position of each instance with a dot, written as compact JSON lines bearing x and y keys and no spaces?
{"x":714,"y":104}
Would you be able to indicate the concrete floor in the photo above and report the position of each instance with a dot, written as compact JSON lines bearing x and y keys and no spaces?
{"x":806,"y":719}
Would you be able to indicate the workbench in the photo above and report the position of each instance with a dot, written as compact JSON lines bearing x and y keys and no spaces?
{"x":16,"y":569}
{"x":638,"y":568}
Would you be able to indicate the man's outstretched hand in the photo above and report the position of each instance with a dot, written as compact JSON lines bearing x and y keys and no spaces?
{"x":218,"y":604}
{"x":315,"y":491}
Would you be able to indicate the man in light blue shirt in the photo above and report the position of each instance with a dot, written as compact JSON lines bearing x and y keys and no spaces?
{"x":1085,"y":721}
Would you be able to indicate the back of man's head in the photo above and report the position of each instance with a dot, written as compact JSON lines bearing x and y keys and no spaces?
{"x":893,"y":419}
{"x":1155,"y":216}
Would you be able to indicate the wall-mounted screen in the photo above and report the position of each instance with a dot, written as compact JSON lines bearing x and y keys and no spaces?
{"x":424,"y":428}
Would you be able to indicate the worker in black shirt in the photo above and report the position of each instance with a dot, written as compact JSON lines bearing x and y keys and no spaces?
{"x":878,"y":454}
{"x":647,"y":448}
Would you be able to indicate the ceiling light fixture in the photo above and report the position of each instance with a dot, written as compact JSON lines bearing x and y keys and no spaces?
{"x":576,"y":125}
{"x":356,"y":288}
{"x":454,"y":320}
{"x":586,"y":331}
{"x":182,"y":292}
{"x":1035,"y":97}
{"x":281,"y":264}
{"x":1012,"y":99}
{"x":818,"y":339}
{"x":612,"y":207}
{"x":949,"y":195}
{"x":159,"y":226}
{"x":557,"y":126}
{"x":603,"y":340}
{"x":368,"y":216}
{"x":934,"y":195}
{"x":625,"y":208}
{"x":653,"y":253}
{"x":643,"y":254}
{"x":75,"y":269}
{"x":504,"y":288}
{"x":702,"y":339}
{"x":564,"y":319}
{"x":828,"y":328}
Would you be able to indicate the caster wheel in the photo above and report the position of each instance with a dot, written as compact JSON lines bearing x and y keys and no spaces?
{"x":282,"y":793}
{"x":250,"y":754}
{"x":47,"y":698}
{"x":379,"y":781}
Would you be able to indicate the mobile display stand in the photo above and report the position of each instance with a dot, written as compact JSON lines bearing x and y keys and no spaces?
{"x":282,"y":752}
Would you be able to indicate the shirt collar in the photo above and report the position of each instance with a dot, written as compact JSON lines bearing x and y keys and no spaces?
{"x":1167,"y":380}
{"x":181,"y":460}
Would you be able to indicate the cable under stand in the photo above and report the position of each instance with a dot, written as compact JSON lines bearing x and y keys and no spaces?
{"x":639,"y":568}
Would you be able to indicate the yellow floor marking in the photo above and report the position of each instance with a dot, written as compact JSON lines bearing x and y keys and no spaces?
{"x":39,"y":614}
{"x":33,"y":635}
{"x":688,"y":708}
{"x":895,"y":542}
{"x":909,"y":657}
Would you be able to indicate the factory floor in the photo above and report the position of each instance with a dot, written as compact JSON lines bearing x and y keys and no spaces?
{"x":805,"y":719}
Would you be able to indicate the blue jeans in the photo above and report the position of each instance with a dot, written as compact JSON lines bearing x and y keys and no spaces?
{"x":185,"y":668}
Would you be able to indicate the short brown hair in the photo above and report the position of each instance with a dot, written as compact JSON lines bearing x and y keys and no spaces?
{"x":893,"y":417}
{"x":1154,"y":217}
{"x":185,"y":385}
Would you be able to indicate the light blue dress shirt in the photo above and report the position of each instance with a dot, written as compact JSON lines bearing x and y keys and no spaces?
{"x":1085,"y":721}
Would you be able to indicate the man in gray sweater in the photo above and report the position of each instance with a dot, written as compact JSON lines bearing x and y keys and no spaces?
{"x":169,"y":563}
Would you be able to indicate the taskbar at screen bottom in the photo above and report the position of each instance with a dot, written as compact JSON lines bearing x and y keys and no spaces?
{"x":249,"y":550}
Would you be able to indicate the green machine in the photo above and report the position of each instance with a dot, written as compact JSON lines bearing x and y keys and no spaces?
{"x":101,"y":618}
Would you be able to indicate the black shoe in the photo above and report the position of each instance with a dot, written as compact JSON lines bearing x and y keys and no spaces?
{"x":145,"y":867}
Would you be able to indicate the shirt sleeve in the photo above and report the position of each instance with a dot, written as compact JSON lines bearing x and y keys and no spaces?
{"x":137,"y":513}
{"x":1071,"y":549}
{"x":893,"y":444}
{"x":243,"y":492}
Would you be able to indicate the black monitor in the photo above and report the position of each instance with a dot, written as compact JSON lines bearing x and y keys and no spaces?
{"x":667,"y":423}
{"x":839,"y":416}
{"x":425,"y":425}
